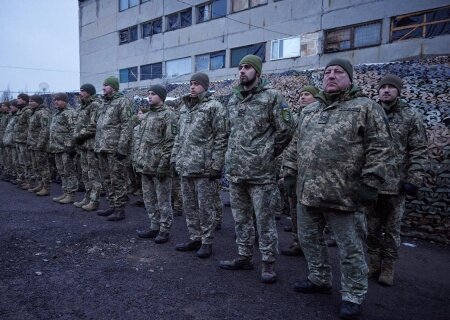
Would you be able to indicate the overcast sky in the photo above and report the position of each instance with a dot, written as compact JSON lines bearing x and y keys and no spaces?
{"x":39,"y":43}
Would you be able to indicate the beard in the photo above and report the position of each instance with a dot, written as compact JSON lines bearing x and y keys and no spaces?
{"x":247,"y":82}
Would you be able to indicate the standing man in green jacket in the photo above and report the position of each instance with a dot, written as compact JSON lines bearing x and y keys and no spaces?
{"x":261,"y":127}
{"x":337,"y":161}
{"x":112,"y":145}
{"x":198,"y":156}
{"x":9,"y":145}
{"x":61,"y":145}
{"x":410,"y":157}
{"x":156,"y":134}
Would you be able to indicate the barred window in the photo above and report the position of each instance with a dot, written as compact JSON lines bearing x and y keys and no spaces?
{"x":425,"y":24}
{"x":353,"y":37}
{"x":128,"y":75}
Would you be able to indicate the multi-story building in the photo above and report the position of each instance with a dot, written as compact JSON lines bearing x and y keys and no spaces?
{"x":147,"y":41}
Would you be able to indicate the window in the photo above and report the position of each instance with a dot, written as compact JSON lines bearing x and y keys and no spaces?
{"x":353,"y":37}
{"x":212,"y":10}
{"x":210,"y":61}
{"x":128,"y":35}
{"x":178,"y":67}
{"x":285,"y":48}
{"x":151,"y":71}
{"x":126,"y":4}
{"x":421,"y":25}
{"x":237,"y":54}
{"x":128,"y":75}
{"x":151,"y":27}
{"x":179,"y":20}
{"x":239,"y":5}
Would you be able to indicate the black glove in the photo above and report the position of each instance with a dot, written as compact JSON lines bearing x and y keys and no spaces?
{"x":290,"y":185}
{"x":79,"y":140}
{"x":72,"y":153}
{"x":161,"y":174}
{"x":214,"y":174}
{"x":367,"y":195}
{"x":410,"y":189}
{"x":120,"y":156}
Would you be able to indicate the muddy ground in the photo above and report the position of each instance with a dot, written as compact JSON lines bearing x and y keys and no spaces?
{"x":59,"y":262}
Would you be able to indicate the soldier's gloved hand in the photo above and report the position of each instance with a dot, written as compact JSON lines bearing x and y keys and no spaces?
{"x":367,"y":195}
{"x":214,"y":174}
{"x":161,"y":174}
{"x":120,"y":156}
{"x":410,"y":189}
{"x":72,"y":153}
{"x":290,"y":183}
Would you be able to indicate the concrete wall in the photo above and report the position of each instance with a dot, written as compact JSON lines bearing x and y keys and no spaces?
{"x":101,"y":55}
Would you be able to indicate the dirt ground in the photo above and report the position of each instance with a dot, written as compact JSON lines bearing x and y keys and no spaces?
{"x":59,"y":262}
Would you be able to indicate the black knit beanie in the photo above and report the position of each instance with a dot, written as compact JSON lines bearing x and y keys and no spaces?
{"x":89,"y":88}
{"x":159,"y":90}
{"x":24,"y":97}
{"x":344,"y":63}
{"x":201,"y":78}
{"x":61,"y":96}
{"x":392,"y":80}
{"x":37,"y":98}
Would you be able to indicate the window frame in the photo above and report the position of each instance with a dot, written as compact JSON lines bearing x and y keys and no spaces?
{"x":128,"y":6}
{"x":179,"y":19}
{"x":151,"y":22}
{"x":129,"y":71}
{"x":151,"y":77}
{"x":423,"y":25}
{"x":211,"y":9}
{"x":129,"y":32}
{"x":263,"y":44}
{"x":249,"y":5}
{"x":178,"y":75}
{"x":212,"y":54}
{"x":282,"y":39}
{"x":352,"y":29}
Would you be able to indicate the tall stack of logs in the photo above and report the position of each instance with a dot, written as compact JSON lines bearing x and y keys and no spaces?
{"x":426,"y":89}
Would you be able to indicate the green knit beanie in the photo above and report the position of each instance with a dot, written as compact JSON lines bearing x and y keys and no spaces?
{"x":159,"y":90}
{"x":392,"y":80}
{"x":254,"y":61}
{"x":344,"y":64}
{"x":311,"y":89}
{"x":201,"y":78}
{"x":113,"y":82}
{"x":37,"y":98}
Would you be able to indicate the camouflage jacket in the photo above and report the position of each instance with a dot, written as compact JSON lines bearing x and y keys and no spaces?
{"x":202,"y":137}
{"x":21,"y":128}
{"x":85,"y":124}
{"x":261,"y":127}
{"x":410,"y":146}
{"x":156,"y":135}
{"x":114,"y":126}
{"x":4,"y":118}
{"x":338,"y":144}
{"x":8,"y":136}
{"x":135,"y":145}
{"x":39,"y":128}
{"x":61,"y":130}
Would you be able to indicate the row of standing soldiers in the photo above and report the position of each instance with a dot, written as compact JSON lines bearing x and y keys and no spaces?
{"x":344,"y":160}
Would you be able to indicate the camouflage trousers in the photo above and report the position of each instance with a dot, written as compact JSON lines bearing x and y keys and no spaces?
{"x":383,"y":224}
{"x":66,"y":170}
{"x":177,"y":201}
{"x":293,"y":214}
{"x":198,"y":205}
{"x":2,"y":158}
{"x":41,"y":168}
{"x":10,"y":161}
{"x":90,"y":174}
{"x":245,"y":198}
{"x":218,"y":208}
{"x":113,"y":173}
{"x":346,"y":229}
{"x":157,"y":200}
{"x":24,"y":168}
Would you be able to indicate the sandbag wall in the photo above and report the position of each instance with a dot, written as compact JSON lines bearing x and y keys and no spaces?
{"x":426,"y":89}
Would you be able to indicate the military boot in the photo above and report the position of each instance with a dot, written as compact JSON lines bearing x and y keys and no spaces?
{"x":374,"y":265}
{"x":386,"y":277}
{"x":240,"y":263}
{"x":91,"y":206}
{"x":162,"y":237}
{"x":56,"y":199}
{"x":43,"y":192}
{"x":105,"y":213}
{"x":293,"y":250}
{"x":268,"y":274}
{"x":119,"y":214}
{"x":36,"y":188}
{"x":81,"y":203}
{"x":205,"y":251}
{"x":191,"y":245}
{"x":25,"y":186}
{"x":349,"y":310}
{"x":69,"y":198}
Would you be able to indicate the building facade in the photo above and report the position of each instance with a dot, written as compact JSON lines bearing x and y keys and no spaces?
{"x":164,"y":41}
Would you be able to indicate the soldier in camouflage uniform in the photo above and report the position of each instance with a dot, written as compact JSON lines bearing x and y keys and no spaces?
{"x":410,"y":152}
{"x":62,"y":146}
{"x":155,"y":141}
{"x":112,"y":145}
{"x":9,"y":145}
{"x":198,"y":155}
{"x":37,"y":141}
{"x":4,"y":117}
{"x":261,"y":127}
{"x":337,"y":162}
{"x":307,"y":94}
{"x":24,"y":169}
{"x":84,"y":137}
